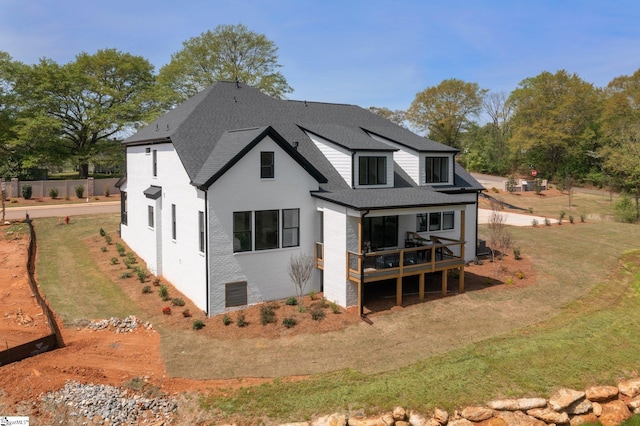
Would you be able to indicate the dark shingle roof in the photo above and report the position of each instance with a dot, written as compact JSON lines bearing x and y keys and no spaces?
{"x":204,"y":132}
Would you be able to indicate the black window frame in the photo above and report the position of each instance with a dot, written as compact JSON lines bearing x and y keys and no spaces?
{"x":434,"y":170}
{"x":150,"y":217}
{"x":243,"y":236}
{"x":294,"y":229}
{"x":372,"y":170}
{"x":445,"y":220}
{"x":267,"y":232}
{"x":154,"y":160}
{"x":201,"y":232}
{"x":123,"y":208}
{"x":267,"y":165}
{"x":174,"y":226}
{"x":381,"y":231}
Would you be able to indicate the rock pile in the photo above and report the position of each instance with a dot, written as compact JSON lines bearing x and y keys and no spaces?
{"x":118,"y":325}
{"x":110,"y":405}
{"x":607,"y":405}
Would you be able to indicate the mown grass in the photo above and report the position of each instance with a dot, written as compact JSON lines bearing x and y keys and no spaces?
{"x":73,"y":284}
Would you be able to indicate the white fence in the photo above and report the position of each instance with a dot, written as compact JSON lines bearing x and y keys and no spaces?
{"x":65,"y":188}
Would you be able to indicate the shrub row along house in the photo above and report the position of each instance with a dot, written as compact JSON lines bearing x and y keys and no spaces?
{"x":221,"y":192}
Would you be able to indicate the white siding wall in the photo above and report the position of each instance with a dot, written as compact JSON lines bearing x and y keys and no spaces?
{"x":339,"y":157}
{"x":242,"y":189}
{"x":335,"y":252}
{"x":178,"y":261}
{"x":356,"y":167}
{"x":406,"y":158}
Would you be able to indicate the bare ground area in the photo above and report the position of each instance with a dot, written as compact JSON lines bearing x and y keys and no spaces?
{"x":248,"y":355}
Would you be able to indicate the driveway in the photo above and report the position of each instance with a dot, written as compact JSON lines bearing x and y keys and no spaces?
{"x":513,"y":219}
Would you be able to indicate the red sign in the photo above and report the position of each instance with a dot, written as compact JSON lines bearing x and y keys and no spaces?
{"x":534,"y":173}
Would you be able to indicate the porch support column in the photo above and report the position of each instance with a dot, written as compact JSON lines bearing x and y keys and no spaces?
{"x":461,"y":281}
{"x":462,"y":234}
{"x":444,"y":281}
{"x":421,"y":286}
{"x":399,"y":291}
{"x":360,"y":311}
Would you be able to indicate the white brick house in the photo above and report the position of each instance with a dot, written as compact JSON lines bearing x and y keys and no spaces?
{"x":222,"y":191}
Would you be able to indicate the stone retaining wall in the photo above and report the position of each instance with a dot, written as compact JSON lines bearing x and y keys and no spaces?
{"x":608,"y":405}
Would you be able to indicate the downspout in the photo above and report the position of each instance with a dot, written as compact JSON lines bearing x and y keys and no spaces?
{"x":206,"y":252}
{"x":353,"y":171}
{"x":361,"y":295}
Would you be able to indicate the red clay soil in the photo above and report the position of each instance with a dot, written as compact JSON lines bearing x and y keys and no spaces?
{"x":109,"y":358}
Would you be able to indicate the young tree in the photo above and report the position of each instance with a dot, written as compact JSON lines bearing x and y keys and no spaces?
{"x":229,"y":52}
{"x":69,"y":109}
{"x":445,"y":110}
{"x":300,"y":270}
{"x":500,"y":239}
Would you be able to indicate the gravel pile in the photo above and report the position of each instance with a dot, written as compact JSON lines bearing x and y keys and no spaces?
{"x":115,"y":406}
{"x":118,"y":325}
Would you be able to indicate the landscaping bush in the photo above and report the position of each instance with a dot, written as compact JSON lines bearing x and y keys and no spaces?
{"x":334,"y":307}
{"x":102,"y":232}
{"x":509,"y":281}
{"x":114,"y":260}
{"x":312,"y":295}
{"x":141,"y":273}
{"x":107,"y":238}
{"x":534,"y":222}
{"x":79,"y":191}
{"x":267,"y":314}
{"x":53,"y":193}
{"x":164,"y":293}
{"x":292,"y":301}
{"x":241,"y":321}
{"x":624,"y":210}
{"x":26,"y":191}
{"x":520,"y":275}
{"x":146,"y":289}
{"x":125,"y":275}
{"x":103,"y":249}
{"x":166,"y":310}
{"x":121,"y":249}
{"x":198,"y":324}
{"x":177,"y":301}
{"x":317,"y":314}
{"x":547,"y":221}
{"x":106,"y":190}
{"x":516,"y":253}
{"x":226,"y":319}
{"x":186,"y":313}
{"x":571,"y":219}
{"x":289,"y":322}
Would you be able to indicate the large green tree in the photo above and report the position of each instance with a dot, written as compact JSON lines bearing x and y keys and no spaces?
{"x":446,"y":110}
{"x":555,"y":123}
{"x":621,"y":131}
{"x":397,"y":116}
{"x":77,"y":110}
{"x":9,"y":70}
{"x":229,"y":52}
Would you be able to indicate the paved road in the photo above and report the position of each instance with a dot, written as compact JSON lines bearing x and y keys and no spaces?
{"x":512,"y":219}
{"x":61,"y":210}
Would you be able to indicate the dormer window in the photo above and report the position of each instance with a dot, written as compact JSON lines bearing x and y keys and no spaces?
{"x":267,"y":169}
{"x":373,"y":171}
{"x":437,"y":169}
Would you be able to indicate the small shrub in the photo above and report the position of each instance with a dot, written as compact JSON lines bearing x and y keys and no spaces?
{"x":334,"y":307}
{"x":106,"y":190}
{"x":121,"y":249}
{"x":107,"y":238}
{"x":79,"y":191}
{"x":114,"y":260}
{"x":103,"y":249}
{"x":559,"y":221}
{"x":547,"y":221}
{"x":128,"y":262}
{"x":312,"y":295}
{"x":226,"y":319}
{"x":26,"y":191}
{"x":132,"y":258}
{"x":534,"y":222}
{"x":516,"y":253}
{"x":176,"y":301}
{"x":146,"y":289}
{"x":102,"y":232}
{"x":186,"y":313}
{"x":302,"y":309}
{"x":562,"y":214}
{"x":267,"y":314}
{"x":156,"y":282}
{"x":582,"y":218}
{"x":53,"y":193}
{"x":125,"y":275}
{"x":520,"y":275}
{"x":198,"y":324}
{"x":289,"y":322}
{"x":495,"y":190}
{"x":166,"y":310}
{"x":163,"y":293}
{"x":509,"y":281}
{"x":142,"y":274}
{"x":292,"y":301}
{"x":324,"y":303}
{"x":241,"y":321}
{"x":571,"y":219}
{"x":317,"y":314}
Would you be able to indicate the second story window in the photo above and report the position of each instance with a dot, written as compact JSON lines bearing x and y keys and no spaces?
{"x":437,"y":169}
{"x":155,"y":163}
{"x":267,"y":165}
{"x":372,"y":171}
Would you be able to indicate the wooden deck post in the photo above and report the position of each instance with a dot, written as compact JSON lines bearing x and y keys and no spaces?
{"x":444,"y":282}
{"x":421,"y":286}
{"x":360,"y":310}
{"x":399,"y":291}
{"x":461,"y":280}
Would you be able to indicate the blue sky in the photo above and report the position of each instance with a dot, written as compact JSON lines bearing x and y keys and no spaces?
{"x":368,"y":53}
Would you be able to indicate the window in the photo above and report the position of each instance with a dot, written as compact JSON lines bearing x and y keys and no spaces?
{"x":290,"y":227}
{"x":266,"y":229}
{"x":372,"y":170}
{"x":147,"y":150}
{"x":435,"y":221}
{"x":437,"y":169}
{"x":155,"y":163}
{"x":235,"y":294}
{"x":201,"y":238}
{"x":241,"y":231}
{"x":267,"y":165}
{"x":150,"y":216}
{"x":123,"y":207}
{"x":173,"y":221}
{"x":381,"y":231}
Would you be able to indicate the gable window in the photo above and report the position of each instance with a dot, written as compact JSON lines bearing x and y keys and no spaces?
{"x":235,"y":294}
{"x":155,"y":163}
{"x":150,"y":220}
{"x":372,"y":170}
{"x":267,"y":165}
{"x":437,"y":169}
{"x":123,"y":207}
{"x":290,"y":227}
{"x":201,"y":238}
{"x":173,"y":221}
{"x":381,"y":231}
{"x":241,"y":231}
{"x":435,"y":221}
{"x":266,"y":229}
